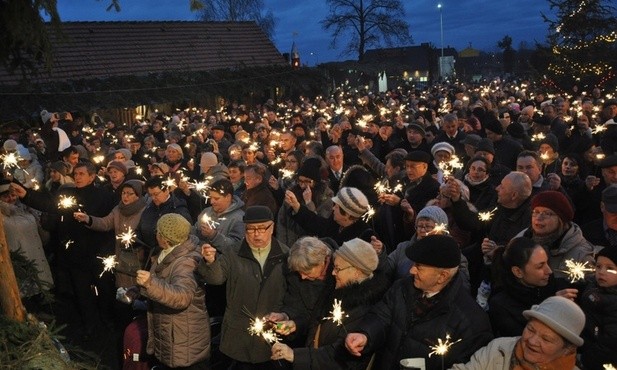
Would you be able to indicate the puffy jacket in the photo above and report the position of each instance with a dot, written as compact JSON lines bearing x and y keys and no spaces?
{"x":178,"y":323}
{"x":146,"y":231}
{"x":248,"y":288}
{"x":230,"y":227}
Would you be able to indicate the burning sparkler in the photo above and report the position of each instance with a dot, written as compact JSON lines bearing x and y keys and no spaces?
{"x":439,"y":229}
{"x":109,"y":263}
{"x":337,"y":313}
{"x":382,"y":188}
{"x":265,"y":329}
{"x":486,"y":216}
{"x":68,"y":244}
{"x":442,"y":347}
{"x":209,"y":221}
{"x":67,"y":202}
{"x":448,"y":167}
{"x":10,"y":160}
{"x":598,"y":129}
{"x":127,"y":238}
{"x":608,"y":367}
{"x":538,"y":137}
{"x":169,"y":182}
{"x":576,"y":270}
{"x":286,"y":174}
{"x":370,"y":212}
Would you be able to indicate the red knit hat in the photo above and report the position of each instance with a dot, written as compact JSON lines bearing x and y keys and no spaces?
{"x":556,"y":202}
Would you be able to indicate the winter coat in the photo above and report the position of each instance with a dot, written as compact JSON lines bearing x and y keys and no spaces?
{"x":31,"y":175}
{"x":495,"y":356}
{"x":506,"y":150}
{"x":84,"y":244}
{"x":483,"y":195}
{"x":229,"y":227}
{"x":329,"y":337}
{"x":600,"y":307}
{"x":596,"y":233}
{"x":396,"y":332}
{"x":260,"y":196}
{"x":248,"y":288}
{"x":22,"y":233}
{"x":178,"y":323}
{"x":287,"y":229}
{"x":146,"y":230}
{"x":322,"y":227}
{"x":120,"y":223}
{"x":572,"y":245}
{"x":420,"y":194}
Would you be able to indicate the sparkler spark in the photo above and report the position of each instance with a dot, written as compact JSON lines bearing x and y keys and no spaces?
{"x":109,"y":263}
{"x":127,"y":238}
{"x":209,"y":221}
{"x":68,"y":244}
{"x":448,"y":167}
{"x":382,"y":188}
{"x":286,"y":174}
{"x":609,"y":367}
{"x":264,"y":329}
{"x":10,"y":160}
{"x":169,"y":182}
{"x":337,"y":313}
{"x":368,"y":214}
{"x":442,"y":347}
{"x":538,"y":137}
{"x":598,"y":129}
{"x":439,"y":229}
{"x":576,"y":270}
{"x":486,"y":216}
{"x":67,"y":202}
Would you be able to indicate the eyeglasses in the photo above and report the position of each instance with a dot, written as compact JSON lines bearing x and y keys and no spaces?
{"x":127,"y":193}
{"x":258,"y":230}
{"x":291,"y":161}
{"x":338,"y":269}
{"x":543,"y":214}
{"x":425,"y":227}
{"x":307,"y":182}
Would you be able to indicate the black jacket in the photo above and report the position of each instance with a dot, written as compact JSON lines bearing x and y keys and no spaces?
{"x":322,"y":227}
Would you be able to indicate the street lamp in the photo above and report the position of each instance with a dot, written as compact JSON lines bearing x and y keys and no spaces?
{"x":441,"y":31}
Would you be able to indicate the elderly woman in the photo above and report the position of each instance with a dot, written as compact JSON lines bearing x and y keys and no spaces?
{"x":313,"y":192}
{"x":552,"y":228}
{"x":357,"y":290}
{"x":124,"y":216}
{"x":549,"y":340}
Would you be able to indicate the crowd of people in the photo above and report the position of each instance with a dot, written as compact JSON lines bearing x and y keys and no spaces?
{"x":458,"y":226}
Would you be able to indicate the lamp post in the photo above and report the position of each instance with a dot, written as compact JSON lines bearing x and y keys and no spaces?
{"x":441,"y":31}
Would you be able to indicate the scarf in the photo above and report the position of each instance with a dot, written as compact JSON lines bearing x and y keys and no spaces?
{"x":131,"y":208}
{"x":517,"y":362}
{"x":550,"y":241}
{"x":474,"y":183}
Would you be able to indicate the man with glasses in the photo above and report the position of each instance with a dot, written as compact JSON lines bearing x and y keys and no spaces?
{"x":255,"y":275}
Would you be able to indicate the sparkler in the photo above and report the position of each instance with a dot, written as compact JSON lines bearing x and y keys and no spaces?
{"x":598,"y":129}
{"x":68,"y":244}
{"x":382,"y":188}
{"x":264,"y":328}
{"x":210,"y":222}
{"x":169,"y":182}
{"x":10,"y":160}
{"x":486,"y":216}
{"x":442,"y":347}
{"x":576,"y":270}
{"x":109,"y":263}
{"x":608,"y":367}
{"x":286,"y":174}
{"x":439,"y":229}
{"x":202,"y":187}
{"x":98,"y":159}
{"x":370,"y":212}
{"x":337,"y":314}
{"x":538,"y":137}
{"x":448,"y":167}
{"x":67,"y":202}
{"x":127,"y":238}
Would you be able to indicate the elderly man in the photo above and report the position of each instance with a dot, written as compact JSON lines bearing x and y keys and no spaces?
{"x":178,"y":323}
{"x":257,"y":191}
{"x":254,"y":271}
{"x":334,"y":158}
{"x":421,"y":309}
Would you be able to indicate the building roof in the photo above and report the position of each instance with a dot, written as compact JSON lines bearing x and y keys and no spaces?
{"x":104,"y":49}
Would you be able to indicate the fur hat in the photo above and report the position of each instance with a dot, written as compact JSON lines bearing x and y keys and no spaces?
{"x":556,"y":202}
{"x":117,"y":165}
{"x":435,"y":250}
{"x":352,"y":201}
{"x":562,"y":315}
{"x":433,"y":213}
{"x":311,"y":168}
{"x":257,"y":214}
{"x":174,"y":228}
{"x":208,"y":159}
{"x":359,"y":254}
{"x":442,"y":146}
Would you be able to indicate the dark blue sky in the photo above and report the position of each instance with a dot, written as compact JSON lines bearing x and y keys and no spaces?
{"x":479,"y":22}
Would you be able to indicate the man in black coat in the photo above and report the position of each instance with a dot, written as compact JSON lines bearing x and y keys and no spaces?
{"x":603,"y":231}
{"x":422,"y":309}
{"x":78,"y":267}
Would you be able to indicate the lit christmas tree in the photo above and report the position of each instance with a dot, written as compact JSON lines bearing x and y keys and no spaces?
{"x":583,"y":41}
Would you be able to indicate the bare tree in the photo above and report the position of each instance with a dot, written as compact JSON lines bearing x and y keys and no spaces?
{"x":239,"y":10}
{"x":370,"y":23}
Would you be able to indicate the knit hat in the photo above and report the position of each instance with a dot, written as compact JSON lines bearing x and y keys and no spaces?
{"x":10,"y":145}
{"x":495,"y":126}
{"x":136,"y":185}
{"x":486,"y":145}
{"x":162,"y":166}
{"x":415,"y":126}
{"x":556,"y":202}
{"x":60,"y":167}
{"x":418,"y":156}
{"x":174,"y":228}
{"x":435,"y":250}
{"x":24,"y":153}
{"x":208,"y":159}
{"x":472,"y":139}
{"x":177,"y":148}
{"x":352,"y":201}
{"x":433,"y":213}
{"x":257,"y":214}
{"x":46,"y":116}
{"x":125,"y":152}
{"x":608,"y":252}
{"x":562,"y":315}
{"x":311,"y":168}
{"x":359,"y":254}
{"x":609,"y":198}
{"x":551,"y":140}
{"x":516,"y":130}
{"x":442,"y":146}
{"x":117,"y":165}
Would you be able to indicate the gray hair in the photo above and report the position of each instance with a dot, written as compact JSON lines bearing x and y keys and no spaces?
{"x":306,"y":253}
{"x":522,"y":183}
